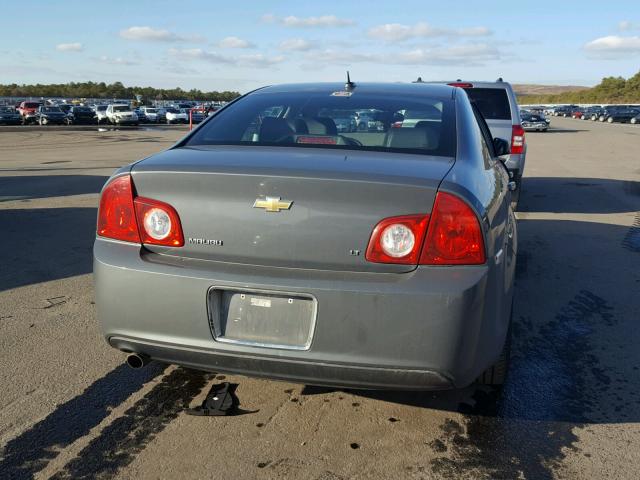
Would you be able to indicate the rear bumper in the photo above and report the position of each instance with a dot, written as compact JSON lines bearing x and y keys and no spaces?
{"x":433,"y":328}
{"x":299,"y":371}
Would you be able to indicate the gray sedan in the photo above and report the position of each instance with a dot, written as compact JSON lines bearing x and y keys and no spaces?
{"x":268,"y":243}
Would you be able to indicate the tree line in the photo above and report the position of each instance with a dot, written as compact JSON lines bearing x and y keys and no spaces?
{"x":609,"y":90}
{"x":111,"y":90}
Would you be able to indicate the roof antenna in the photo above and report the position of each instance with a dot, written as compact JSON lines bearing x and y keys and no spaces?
{"x":349,"y":85}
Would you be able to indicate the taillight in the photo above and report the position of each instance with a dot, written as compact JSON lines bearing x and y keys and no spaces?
{"x":398,"y":240}
{"x":116,"y":216}
{"x":136,"y":219}
{"x":451,"y":235}
{"x":454,"y":236}
{"x":159,"y":223}
{"x":517,"y":139}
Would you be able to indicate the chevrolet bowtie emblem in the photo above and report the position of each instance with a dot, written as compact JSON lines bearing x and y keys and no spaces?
{"x":272,"y":204}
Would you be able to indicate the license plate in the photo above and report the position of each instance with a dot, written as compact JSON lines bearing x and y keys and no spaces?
{"x":265,"y":319}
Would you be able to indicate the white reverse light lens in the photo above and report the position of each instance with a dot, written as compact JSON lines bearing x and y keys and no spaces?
{"x":157,"y":223}
{"x":397,"y":240}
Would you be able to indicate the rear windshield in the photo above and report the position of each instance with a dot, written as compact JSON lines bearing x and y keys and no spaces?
{"x":121,"y":108}
{"x":361,"y":121}
{"x":7,"y":110}
{"x":101,"y":108}
{"x":493,"y":103}
{"x":31,"y":105}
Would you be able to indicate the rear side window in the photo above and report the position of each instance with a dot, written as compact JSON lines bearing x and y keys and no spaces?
{"x":360,"y":121}
{"x":493,"y":103}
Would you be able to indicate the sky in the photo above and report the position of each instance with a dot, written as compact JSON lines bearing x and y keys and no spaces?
{"x":241,"y":45}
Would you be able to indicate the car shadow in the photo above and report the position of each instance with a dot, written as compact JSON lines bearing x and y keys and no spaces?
{"x":43,"y":244}
{"x":44,"y":186}
{"x":579,"y":195}
{"x":560,"y":130}
{"x":575,"y":360}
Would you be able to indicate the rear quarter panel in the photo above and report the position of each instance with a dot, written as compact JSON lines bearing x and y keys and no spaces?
{"x":482,"y":182}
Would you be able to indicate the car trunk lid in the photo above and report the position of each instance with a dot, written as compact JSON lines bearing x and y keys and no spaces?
{"x":224,"y":194}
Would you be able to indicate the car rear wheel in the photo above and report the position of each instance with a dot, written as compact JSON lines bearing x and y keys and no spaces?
{"x":610,"y":120}
{"x":496,"y":374}
{"x":634,"y":120}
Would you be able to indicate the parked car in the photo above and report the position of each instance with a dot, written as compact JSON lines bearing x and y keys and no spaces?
{"x":365,"y":259}
{"x":142,"y":117}
{"x":9,"y":116}
{"x":588,"y":113}
{"x":47,"y":115}
{"x":174,"y":115}
{"x":621,"y":114}
{"x":564,"y":110}
{"x":576,"y":112}
{"x":498,"y":105}
{"x":121,"y":114}
{"x":197,"y":115}
{"x":152,"y":114}
{"x":533,"y":122}
{"x":29,"y":112}
{"x":82,"y":115}
{"x":101,"y":114}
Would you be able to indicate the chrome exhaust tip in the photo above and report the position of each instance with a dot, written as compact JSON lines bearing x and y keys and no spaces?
{"x":137,"y":360}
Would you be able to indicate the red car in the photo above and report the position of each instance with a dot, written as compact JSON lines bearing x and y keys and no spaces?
{"x":28,"y":111}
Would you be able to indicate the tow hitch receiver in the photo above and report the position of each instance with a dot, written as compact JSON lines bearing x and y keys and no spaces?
{"x":220,"y":401}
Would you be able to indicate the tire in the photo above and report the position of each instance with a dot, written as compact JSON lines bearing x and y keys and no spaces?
{"x":610,"y":120}
{"x":496,"y":374}
{"x":634,"y":120}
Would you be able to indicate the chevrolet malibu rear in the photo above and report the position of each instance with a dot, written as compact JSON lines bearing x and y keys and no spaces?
{"x":270,"y":244}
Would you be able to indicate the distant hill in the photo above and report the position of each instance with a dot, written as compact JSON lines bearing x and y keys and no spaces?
{"x":609,"y":90}
{"x":532,"y":89}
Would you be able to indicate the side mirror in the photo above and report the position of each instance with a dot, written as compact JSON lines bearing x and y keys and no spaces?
{"x":501,"y":146}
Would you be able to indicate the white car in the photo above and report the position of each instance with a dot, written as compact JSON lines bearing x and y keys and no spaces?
{"x":173,"y":115}
{"x":101,"y":113}
{"x":121,"y":114}
{"x":153,"y":114}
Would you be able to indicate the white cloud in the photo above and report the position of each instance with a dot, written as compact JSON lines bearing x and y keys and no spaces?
{"x":468,"y":55}
{"x":199,"y":54}
{"x":295,"y":44}
{"x":614,"y":46}
{"x":259,"y":60}
{"x":305,"y":22}
{"x":396,"y":32}
{"x":234,"y":42}
{"x":69,"y":47}
{"x":116,"y":60}
{"x":625,"y":25}
{"x":255,"y":60}
{"x":150,"y":34}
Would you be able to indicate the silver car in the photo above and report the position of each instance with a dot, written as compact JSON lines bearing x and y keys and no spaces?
{"x":266,"y":243}
{"x":498,"y":104}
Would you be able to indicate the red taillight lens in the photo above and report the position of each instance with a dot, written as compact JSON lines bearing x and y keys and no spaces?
{"x":159,"y":223}
{"x":517,"y":139}
{"x":454,"y":236}
{"x":116,"y":216}
{"x":121,"y":214}
{"x":397,"y":240}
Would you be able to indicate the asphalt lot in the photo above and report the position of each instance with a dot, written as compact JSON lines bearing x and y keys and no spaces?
{"x":69,"y":408}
